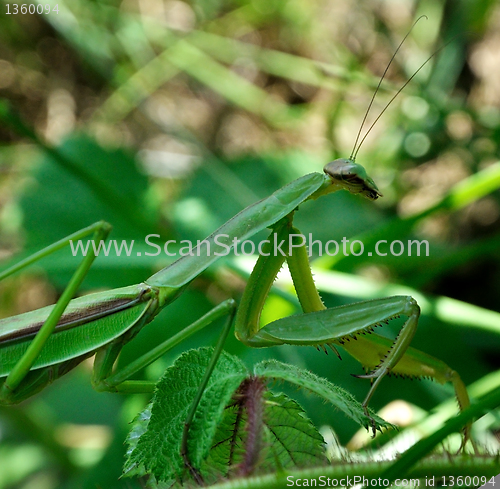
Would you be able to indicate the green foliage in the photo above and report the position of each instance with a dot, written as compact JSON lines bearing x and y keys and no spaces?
{"x":239,"y":426}
{"x":291,"y":439}
{"x":158,"y":449}
{"x":91,"y":182}
{"x":170,"y":121}
{"x":333,"y":394}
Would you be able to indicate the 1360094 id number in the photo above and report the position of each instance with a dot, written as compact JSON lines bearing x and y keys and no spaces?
{"x":31,"y":8}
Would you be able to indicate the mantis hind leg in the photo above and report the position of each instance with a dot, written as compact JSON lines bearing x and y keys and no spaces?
{"x":20,"y":371}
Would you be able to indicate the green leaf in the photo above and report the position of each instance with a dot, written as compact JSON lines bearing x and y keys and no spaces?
{"x":159,"y":446}
{"x":221,"y":434}
{"x":140,"y":425}
{"x":337,"y":396}
{"x":239,"y":428}
{"x":226,"y":448}
{"x":294,"y":440}
{"x":265,"y":432}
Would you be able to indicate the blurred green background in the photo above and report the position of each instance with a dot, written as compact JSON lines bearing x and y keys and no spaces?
{"x":168,"y":117}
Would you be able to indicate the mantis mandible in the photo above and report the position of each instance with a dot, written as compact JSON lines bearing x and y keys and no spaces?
{"x":39,"y":346}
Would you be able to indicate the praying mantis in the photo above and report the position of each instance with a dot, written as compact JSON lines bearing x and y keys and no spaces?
{"x":40,"y":346}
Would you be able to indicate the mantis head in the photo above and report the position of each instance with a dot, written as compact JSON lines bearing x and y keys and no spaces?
{"x":352,"y":177}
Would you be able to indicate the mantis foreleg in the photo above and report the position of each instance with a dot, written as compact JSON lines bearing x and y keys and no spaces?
{"x":338,"y":326}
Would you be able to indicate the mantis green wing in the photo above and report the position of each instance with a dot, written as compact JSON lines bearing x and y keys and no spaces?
{"x":75,"y":334}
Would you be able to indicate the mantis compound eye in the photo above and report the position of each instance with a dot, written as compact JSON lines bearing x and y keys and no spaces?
{"x":352,"y":177}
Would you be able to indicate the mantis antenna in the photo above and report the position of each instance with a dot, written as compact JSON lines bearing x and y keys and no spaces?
{"x":356,"y":147}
